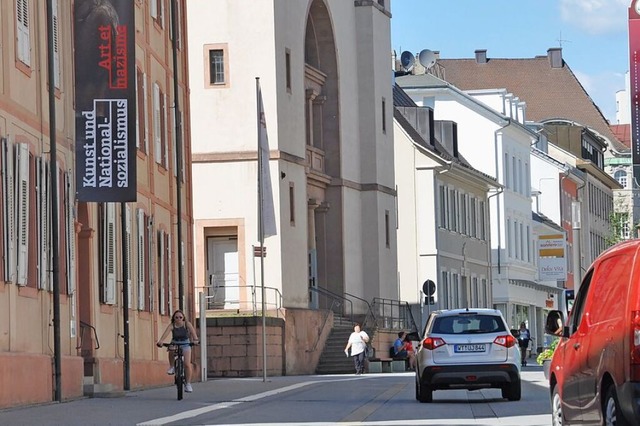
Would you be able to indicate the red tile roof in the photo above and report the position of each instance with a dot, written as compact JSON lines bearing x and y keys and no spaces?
{"x":623,"y":133}
{"x":549,"y":93}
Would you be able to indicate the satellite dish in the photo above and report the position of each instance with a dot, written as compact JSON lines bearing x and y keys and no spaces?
{"x":427,"y":58}
{"x":407,"y":60}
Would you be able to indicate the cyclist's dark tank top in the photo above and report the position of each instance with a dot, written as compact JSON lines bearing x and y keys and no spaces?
{"x":180,"y":334}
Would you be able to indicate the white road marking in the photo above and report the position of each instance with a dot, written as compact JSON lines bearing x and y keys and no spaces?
{"x":193,"y":413}
{"x":537,"y":420}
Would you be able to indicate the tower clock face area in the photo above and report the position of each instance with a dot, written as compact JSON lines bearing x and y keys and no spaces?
{"x":636,"y":6}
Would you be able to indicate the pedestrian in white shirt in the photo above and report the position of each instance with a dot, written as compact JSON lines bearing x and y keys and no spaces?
{"x":358,"y":344}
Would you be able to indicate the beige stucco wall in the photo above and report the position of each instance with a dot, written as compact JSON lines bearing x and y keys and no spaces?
{"x":26,"y":315}
{"x":224,"y":147}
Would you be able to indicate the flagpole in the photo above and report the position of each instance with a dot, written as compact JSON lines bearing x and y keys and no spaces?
{"x":261,"y":236}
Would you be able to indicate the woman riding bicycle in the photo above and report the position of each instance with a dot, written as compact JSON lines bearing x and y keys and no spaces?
{"x":182,"y":333}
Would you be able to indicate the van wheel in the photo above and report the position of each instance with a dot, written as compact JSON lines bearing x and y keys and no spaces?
{"x":611,"y":413}
{"x":512,"y":391}
{"x":556,"y":407}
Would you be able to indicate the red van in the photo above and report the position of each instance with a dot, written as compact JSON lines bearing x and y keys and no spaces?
{"x":594,"y":376}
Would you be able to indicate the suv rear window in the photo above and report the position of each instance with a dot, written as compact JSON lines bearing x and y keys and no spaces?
{"x":467,"y":324}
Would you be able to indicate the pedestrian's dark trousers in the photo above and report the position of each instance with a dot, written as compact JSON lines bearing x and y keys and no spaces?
{"x":358,"y":361}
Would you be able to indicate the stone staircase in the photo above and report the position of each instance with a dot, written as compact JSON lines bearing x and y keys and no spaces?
{"x":333,"y":360}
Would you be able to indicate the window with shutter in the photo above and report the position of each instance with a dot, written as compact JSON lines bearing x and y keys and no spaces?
{"x":170,"y":270}
{"x":23,"y":47}
{"x":157,"y":137}
{"x":56,"y":44}
{"x":110,"y":254}
{"x":128,"y":254}
{"x":164,"y":160}
{"x":44,"y":247}
{"x":71,"y":234}
{"x":62,"y":232}
{"x":22,"y":195}
{"x":8,"y":203}
{"x":142,"y":133}
{"x":157,"y":11}
{"x":151,"y":264}
{"x":140,"y":234}
{"x":174,"y":150}
{"x":161,"y":273}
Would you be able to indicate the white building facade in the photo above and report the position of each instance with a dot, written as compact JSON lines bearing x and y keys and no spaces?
{"x":491,"y":135}
{"x":443,"y":212}
{"x":330,"y":130}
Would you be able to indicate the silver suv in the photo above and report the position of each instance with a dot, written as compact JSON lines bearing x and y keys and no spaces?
{"x":467,"y":349}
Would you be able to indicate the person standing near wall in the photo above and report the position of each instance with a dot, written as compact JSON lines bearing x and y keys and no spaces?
{"x":357,"y":343}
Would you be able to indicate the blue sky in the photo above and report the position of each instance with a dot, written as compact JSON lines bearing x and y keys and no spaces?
{"x":594,"y":35}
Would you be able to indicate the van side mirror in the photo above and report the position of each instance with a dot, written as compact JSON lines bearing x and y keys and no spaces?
{"x":555,"y":323}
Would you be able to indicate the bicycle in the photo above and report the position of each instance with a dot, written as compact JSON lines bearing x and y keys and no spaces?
{"x":178,"y":365}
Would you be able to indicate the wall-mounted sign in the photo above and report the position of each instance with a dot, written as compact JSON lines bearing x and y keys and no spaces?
{"x":105,"y":89}
{"x":552,"y":261}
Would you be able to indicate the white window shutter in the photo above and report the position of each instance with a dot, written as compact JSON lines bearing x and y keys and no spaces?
{"x":154,"y":8}
{"x":165,"y":151}
{"x":22,"y":24}
{"x":8,"y":191}
{"x":128,"y":254}
{"x":138,"y":112}
{"x":110,"y":254}
{"x":152,"y":264}
{"x":71,"y":234}
{"x":161,"y":260}
{"x":43,"y":224}
{"x":22,"y":195}
{"x":174,"y":146}
{"x":50,"y":223}
{"x":156,"y":124}
{"x":145,"y":143}
{"x":140,"y":235}
{"x":162,"y":14}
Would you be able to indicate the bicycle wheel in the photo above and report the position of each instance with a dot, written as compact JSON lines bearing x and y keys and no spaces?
{"x":179,"y":376}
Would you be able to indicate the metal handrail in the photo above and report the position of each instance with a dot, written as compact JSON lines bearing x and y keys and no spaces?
{"x":83,"y":327}
{"x":402,"y":318}
{"x":369,"y":310}
{"x":324,"y":324}
{"x":413,"y":321}
{"x":334,"y":296}
{"x":210,"y":292}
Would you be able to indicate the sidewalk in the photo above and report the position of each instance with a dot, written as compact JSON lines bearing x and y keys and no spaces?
{"x":138,"y":406}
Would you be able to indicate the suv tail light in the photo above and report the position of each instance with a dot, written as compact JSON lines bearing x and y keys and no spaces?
{"x":635,"y":346}
{"x":507,"y":340}
{"x":432,"y":343}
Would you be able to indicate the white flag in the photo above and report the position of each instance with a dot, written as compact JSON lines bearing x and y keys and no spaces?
{"x":265,"y":196}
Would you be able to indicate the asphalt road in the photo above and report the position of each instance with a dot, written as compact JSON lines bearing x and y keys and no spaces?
{"x":371,"y":399}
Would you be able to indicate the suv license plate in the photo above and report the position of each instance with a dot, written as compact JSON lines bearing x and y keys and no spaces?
{"x":468,"y":348}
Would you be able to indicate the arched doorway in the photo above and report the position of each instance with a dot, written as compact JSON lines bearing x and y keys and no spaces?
{"x":322,"y":124}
